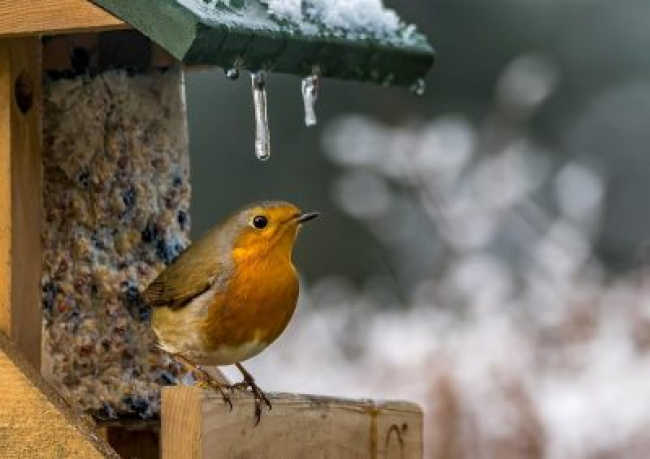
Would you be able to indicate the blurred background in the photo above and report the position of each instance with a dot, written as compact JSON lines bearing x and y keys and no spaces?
{"x":483,"y":248}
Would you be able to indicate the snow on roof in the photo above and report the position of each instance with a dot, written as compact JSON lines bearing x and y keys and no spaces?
{"x":368,"y":16}
{"x":351,"y":19}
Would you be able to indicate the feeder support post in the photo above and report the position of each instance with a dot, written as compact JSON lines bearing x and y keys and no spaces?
{"x":20,"y":194}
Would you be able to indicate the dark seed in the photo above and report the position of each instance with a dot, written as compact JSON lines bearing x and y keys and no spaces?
{"x":182,"y":218}
{"x":167,"y":379}
{"x":97,"y":242}
{"x":49,"y":295}
{"x":137,"y":404}
{"x":145,"y":313}
{"x":166,"y":252}
{"x":132,"y":293}
{"x":129,"y":198}
{"x":74,"y":319}
{"x":84,"y":179}
{"x":149,"y":233}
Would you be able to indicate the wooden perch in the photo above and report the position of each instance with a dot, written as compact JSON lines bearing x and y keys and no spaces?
{"x":34,"y":421}
{"x":197,"y":424}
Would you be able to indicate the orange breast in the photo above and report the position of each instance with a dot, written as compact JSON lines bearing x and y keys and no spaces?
{"x":257,"y":305}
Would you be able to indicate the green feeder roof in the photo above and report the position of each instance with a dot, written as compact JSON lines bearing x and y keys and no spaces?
{"x":364,"y":43}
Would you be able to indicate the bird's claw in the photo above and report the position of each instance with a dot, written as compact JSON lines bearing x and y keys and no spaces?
{"x":224,"y":395}
{"x":206,"y":380}
{"x":258,"y":394}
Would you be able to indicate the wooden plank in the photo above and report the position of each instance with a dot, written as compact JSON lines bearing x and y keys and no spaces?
{"x":20,"y":194}
{"x":35,"y":422}
{"x":197,"y":424}
{"x":44,"y":17}
{"x":181,"y":422}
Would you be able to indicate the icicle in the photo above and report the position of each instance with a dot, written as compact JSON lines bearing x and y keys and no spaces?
{"x":232,"y":74}
{"x":309,"y":97}
{"x":262,"y":132}
{"x":419,"y":87}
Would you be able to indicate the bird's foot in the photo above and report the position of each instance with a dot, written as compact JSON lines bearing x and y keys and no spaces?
{"x":249,"y":384}
{"x":205,"y":380}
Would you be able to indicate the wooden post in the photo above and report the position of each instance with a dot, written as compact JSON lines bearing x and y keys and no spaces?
{"x":20,"y":194}
{"x":197,"y":424}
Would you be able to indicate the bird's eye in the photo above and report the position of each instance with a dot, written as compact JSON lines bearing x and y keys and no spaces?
{"x":260,"y":222}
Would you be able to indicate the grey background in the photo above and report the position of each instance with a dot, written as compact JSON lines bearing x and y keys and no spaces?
{"x":600,"y":47}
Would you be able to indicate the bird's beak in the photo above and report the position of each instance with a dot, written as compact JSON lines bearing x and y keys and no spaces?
{"x":302,"y":218}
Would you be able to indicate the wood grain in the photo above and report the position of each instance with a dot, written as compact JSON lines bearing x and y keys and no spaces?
{"x":45,"y":17}
{"x":181,"y":422}
{"x":20,"y":194}
{"x":34,"y":421}
{"x":197,"y":424}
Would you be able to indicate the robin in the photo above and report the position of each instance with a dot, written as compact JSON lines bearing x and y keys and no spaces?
{"x":231,"y":293}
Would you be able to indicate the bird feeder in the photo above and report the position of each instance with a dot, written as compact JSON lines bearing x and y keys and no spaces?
{"x":95,"y":193}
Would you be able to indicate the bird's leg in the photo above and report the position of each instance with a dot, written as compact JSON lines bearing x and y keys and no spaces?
{"x":207,"y":378}
{"x":260,"y":396}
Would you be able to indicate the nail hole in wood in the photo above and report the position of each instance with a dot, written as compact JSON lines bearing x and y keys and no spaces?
{"x":24,"y":92}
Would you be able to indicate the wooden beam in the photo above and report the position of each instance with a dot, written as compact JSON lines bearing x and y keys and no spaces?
{"x":35,"y":421}
{"x":47,"y":17}
{"x":20,"y":194}
{"x":197,"y":424}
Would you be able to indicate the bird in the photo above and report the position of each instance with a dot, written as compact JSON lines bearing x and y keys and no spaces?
{"x":231,"y":293}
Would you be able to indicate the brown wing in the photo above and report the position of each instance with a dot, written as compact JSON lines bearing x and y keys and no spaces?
{"x":187,"y":277}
